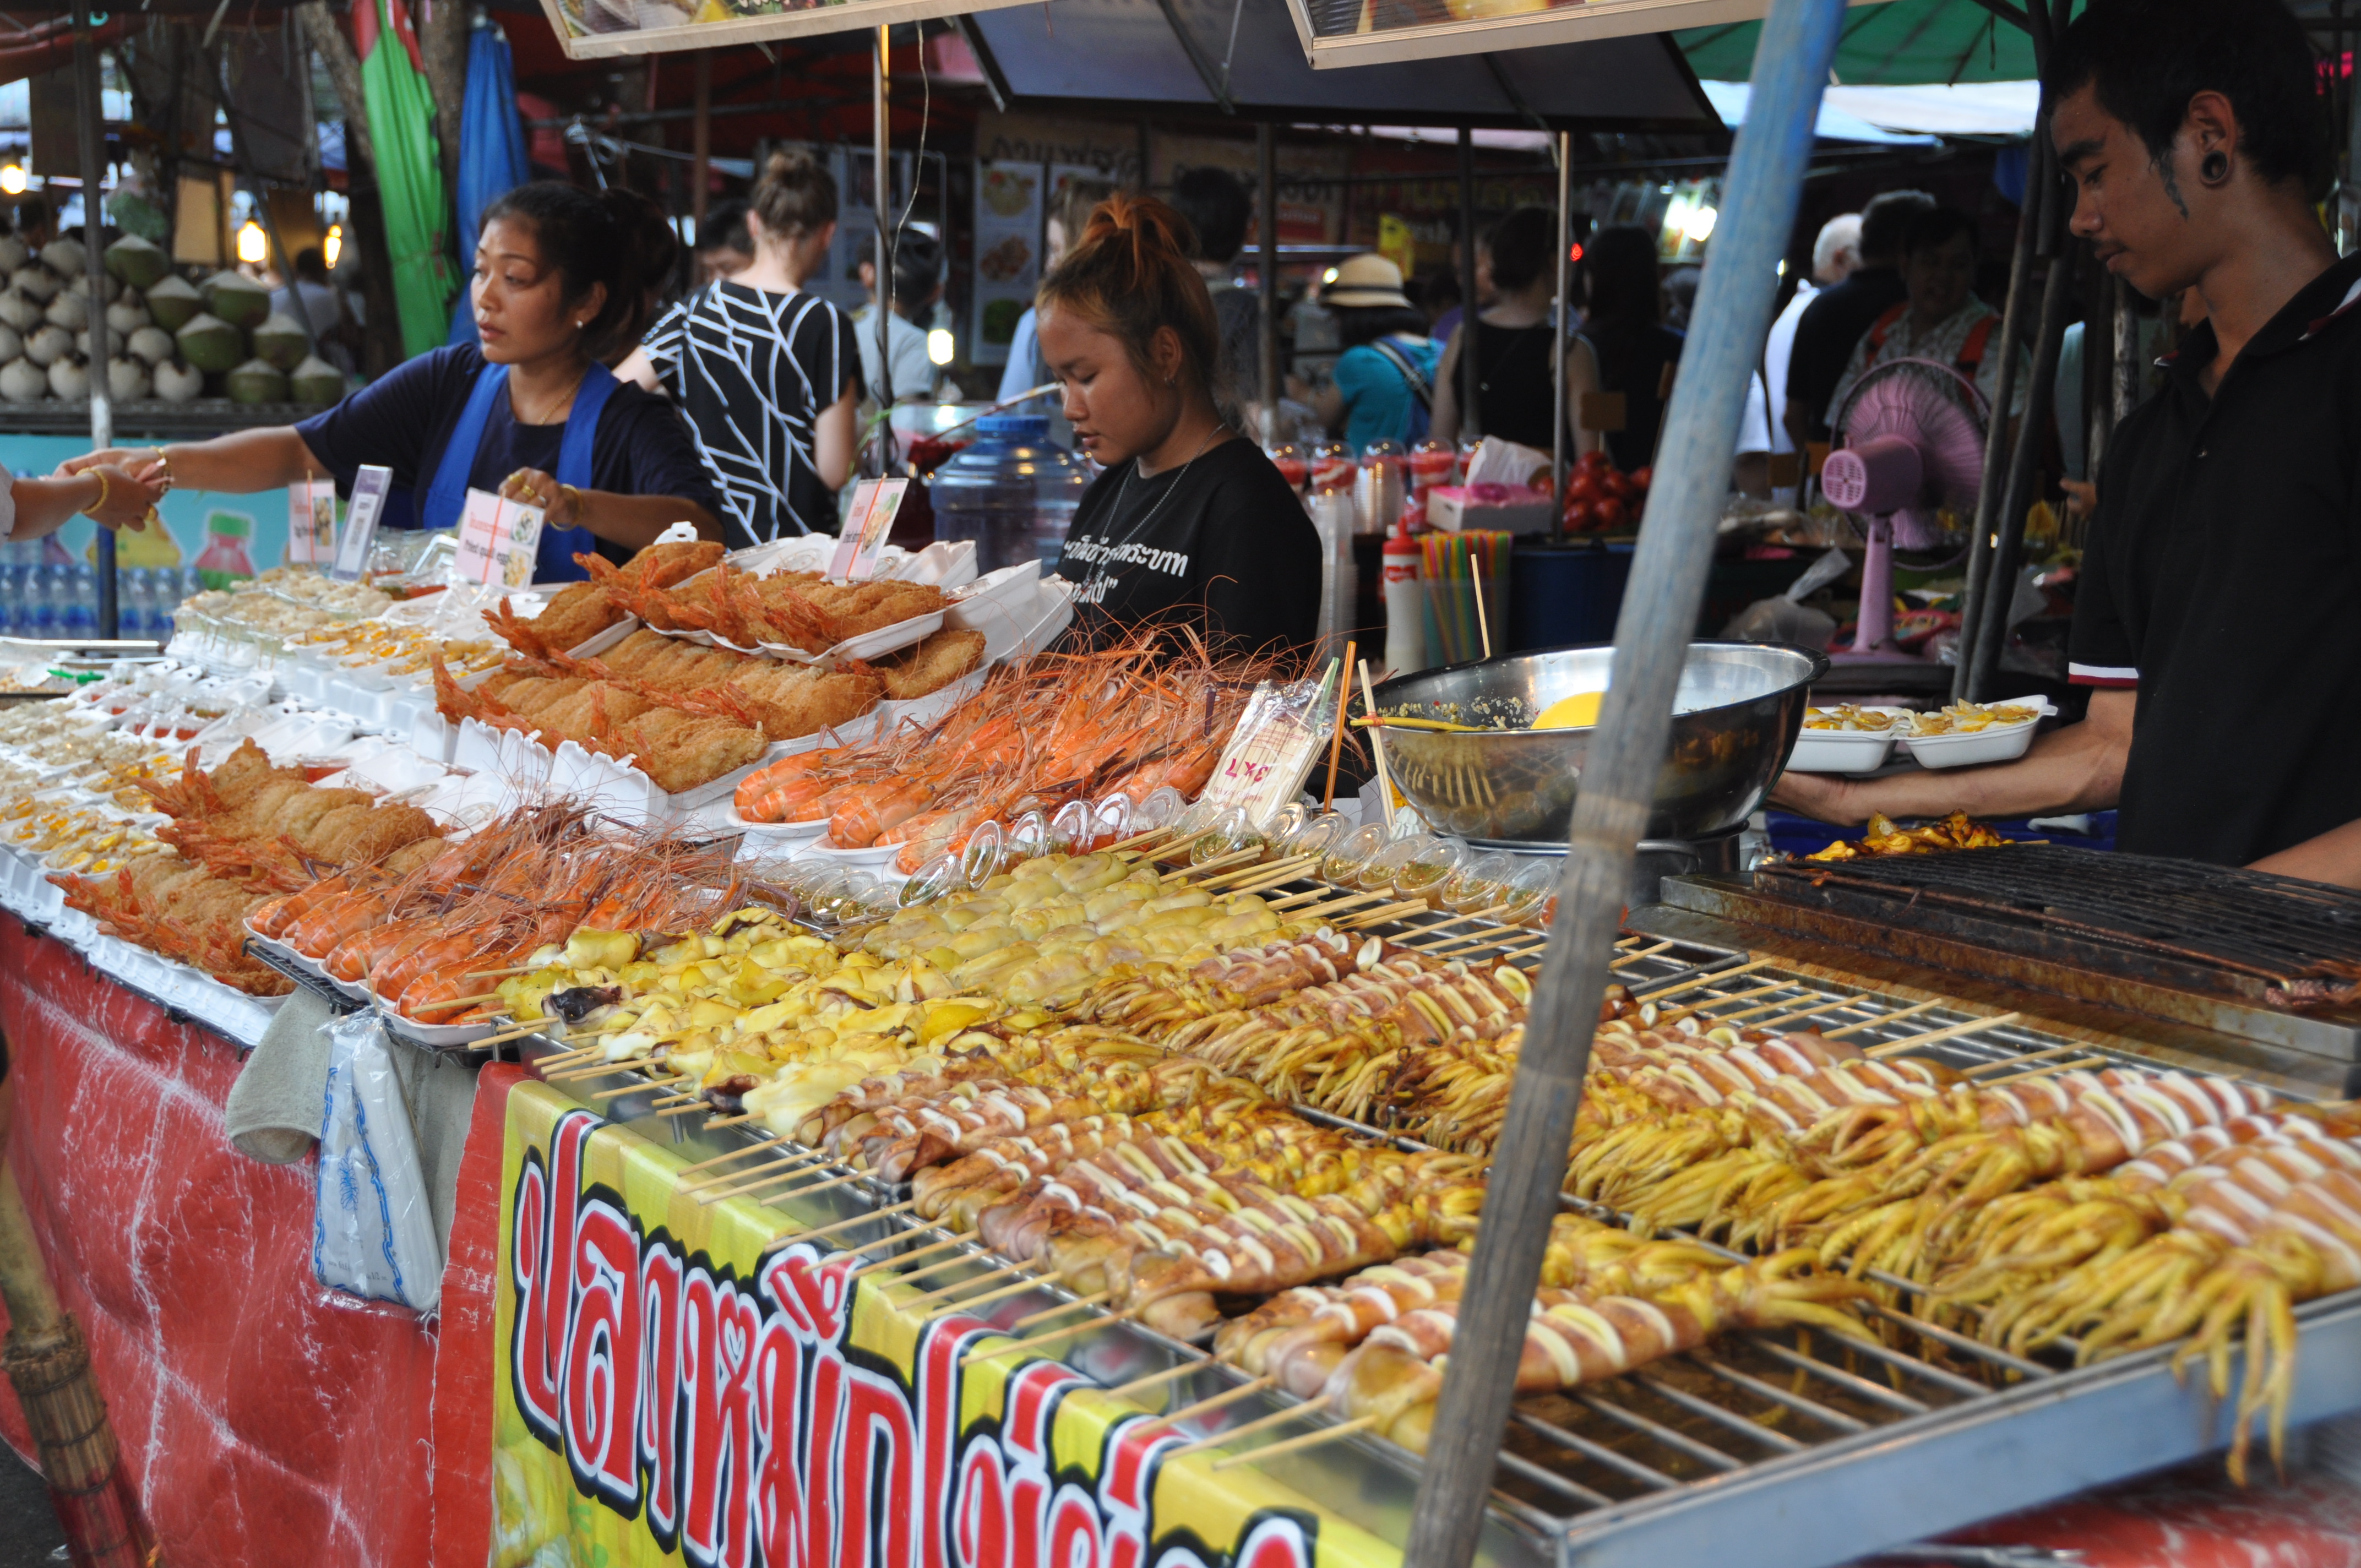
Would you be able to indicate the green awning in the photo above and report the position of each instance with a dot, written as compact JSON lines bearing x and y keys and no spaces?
{"x":1900,"y":43}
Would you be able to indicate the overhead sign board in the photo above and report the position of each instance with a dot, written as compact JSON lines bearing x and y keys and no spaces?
{"x":591,"y":29}
{"x":1371,"y":32}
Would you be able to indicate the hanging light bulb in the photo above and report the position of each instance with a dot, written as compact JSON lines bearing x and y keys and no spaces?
{"x":253,"y":245}
{"x":939,"y":347}
{"x":1698,"y":224}
{"x":332,"y":244}
{"x":12,"y":179}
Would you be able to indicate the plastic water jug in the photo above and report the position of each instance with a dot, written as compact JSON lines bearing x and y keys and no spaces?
{"x":1012,"y":490}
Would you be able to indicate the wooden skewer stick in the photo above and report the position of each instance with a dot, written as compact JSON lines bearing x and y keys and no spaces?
{"x":829,"y":1230}
{"x":1033,"y":1282}
{"x":1435,"y":927}
{"x":1377,"y":748}
{"x":1050,"y":1336}
{"x":1483,"y":626}
{"x":683,"y":1108}
{"x":628,"y":1064}
{"x":1002,"y":1272}
{"x":823,"y":1186}
{"x":636,"y":1088}
{"x":1974,"y":1027}
{"x":1715,"y":977}
{"x":1697,"y":1009}
{"x":2007,"y":1062}
{"x":1910,"y":1011}
{"x":457,"y":1001}
{"x":1321,"y":910}
{"x":1383,"y":912}
{"x":1309,"y":1440}
{"x":502,"y":974}
{"x":898,"y":1259}
{"x":785,"y":1170}
{"x":1336,"y":741}
{"x":729,"y":1121}
{"x":1826,"y":1005}
{"x":1265,"y":883}
{"x":1202,"y":867}
{"x":538,"y":1026}
{"x":1263,"y":1424}
{"x":1094,"y":1298}
{"x":940,"y":1263}
{"x":1634,"y":957}
{"x":1177,"y":1370}
{"x":1283,"y":870}
{"x":1226,"y":1397}
{"x":736,"y":1154}
{"x":2053,"y":1067}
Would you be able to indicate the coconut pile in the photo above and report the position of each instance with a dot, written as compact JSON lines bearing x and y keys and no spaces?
{"x":166,"y":337}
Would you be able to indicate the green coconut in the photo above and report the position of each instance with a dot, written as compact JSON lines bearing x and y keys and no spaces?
{"x":174,"y":303}
{"x":237,"y":299}
{"x":136,"y":261}
{"x":257,"y":381}
{"x":315,"y":383}
{"x":209,"y":343}
{"x":281,"y":341}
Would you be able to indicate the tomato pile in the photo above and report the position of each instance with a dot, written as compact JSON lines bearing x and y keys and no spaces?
{"x":1602,"y":499}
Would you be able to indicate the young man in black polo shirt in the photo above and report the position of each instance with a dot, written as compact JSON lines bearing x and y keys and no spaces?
{"x":2219,"y":608}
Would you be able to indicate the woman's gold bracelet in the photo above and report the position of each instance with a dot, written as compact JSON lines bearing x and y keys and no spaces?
{"x":104,"y":487}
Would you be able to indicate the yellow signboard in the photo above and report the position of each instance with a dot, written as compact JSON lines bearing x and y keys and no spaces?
{"x":667,"y":1392}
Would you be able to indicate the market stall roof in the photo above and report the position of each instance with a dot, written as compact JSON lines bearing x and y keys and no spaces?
{"x":1905,"y":116}
{"x":1730,"y":100}
{"x":1225,"y":56}
{"x":1895,"y":43}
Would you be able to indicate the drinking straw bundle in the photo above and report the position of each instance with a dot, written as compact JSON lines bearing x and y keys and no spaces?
{"x":1455,"y":563}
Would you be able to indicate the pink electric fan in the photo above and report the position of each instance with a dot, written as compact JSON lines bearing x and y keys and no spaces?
{"x":1912,"y":434}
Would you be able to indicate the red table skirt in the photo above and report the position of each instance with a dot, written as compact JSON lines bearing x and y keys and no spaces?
{"x":265,"y":1419}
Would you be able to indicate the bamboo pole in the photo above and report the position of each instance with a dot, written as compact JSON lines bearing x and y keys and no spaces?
{"x":1797,"y":48}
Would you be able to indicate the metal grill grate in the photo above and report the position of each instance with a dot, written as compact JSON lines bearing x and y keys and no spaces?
{"x":2217,"y":928}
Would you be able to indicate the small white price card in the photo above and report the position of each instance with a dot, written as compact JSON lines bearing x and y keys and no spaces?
{"x":311,"y":522}
{"x":361,"y":513}
{"x":498,"y":540}
{"x":866,"y":525}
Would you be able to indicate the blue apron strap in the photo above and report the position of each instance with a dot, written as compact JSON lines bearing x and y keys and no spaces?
{"x":553,"y":560}
{"x":448,"y":496}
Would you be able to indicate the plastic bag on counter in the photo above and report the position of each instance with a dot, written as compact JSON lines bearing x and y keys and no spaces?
{"x":1785,"y":618}
{"x":373,"y":1230}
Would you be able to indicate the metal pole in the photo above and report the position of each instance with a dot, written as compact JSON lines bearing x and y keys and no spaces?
{"x":885,"y":184}
{"x":2012,"y":332}
{"x":91,"y":135}
{"x":1468,"y":422}
{"x":1733,"y":313}
{"x":700,"y":168}
{"x":2000,"y":581}
{"x":1563,"y":325}
{"x":1266,"y":270}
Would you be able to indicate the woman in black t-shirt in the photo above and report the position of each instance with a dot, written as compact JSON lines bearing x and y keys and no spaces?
{"x":767,"y":374}
{"x":561,"y":281}
{"x":1190,"y":525}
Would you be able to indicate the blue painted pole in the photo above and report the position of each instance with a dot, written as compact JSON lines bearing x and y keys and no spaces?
{"x":1660,"y":606}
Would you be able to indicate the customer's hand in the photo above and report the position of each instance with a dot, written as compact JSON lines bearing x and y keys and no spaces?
{"x":124,"y":501}
{"x":1820,"y":796}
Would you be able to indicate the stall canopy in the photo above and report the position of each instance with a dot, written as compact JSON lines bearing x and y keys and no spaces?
{"x":1894,"y":44}
{"x":1907,"y":115}
{"x":1223,"y":56}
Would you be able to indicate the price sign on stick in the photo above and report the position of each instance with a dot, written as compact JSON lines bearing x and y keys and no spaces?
{"x":353,"y":546}
{"x":1271,"y":752}
{"x":496,"y":541}
{"x":311,"y":522}
{"x":866,"y":525}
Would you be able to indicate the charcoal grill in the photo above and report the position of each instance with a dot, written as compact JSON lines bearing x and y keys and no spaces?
{"x":2261,"y":957}
{"x":1783,"y":1450}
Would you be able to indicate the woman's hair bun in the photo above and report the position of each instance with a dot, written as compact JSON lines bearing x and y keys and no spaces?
{"x":1129,"y":274}
{"x":795,"y":195}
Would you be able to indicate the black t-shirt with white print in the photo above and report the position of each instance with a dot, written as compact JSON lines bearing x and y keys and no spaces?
{"x":754,"y":370}
{"x":1222,"y":539}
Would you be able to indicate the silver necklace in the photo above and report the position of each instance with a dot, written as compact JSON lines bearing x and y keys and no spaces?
{"x":1124,"y":489}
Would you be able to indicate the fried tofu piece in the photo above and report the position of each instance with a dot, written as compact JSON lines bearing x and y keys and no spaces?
{"x":929,"y":664}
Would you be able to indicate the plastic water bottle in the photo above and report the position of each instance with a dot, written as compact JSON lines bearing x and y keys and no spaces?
{"x":1012,"y":490}
{"x":80,"y":618}
{"x":40,"y":598}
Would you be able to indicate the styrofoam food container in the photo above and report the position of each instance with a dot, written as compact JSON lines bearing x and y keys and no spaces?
{"x":2000,"y":743}
{"x":780,"y":832}
{"x":869,"y":855}
{"x":1843,"y":751}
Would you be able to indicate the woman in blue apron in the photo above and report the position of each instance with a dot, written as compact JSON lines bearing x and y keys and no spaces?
{"x":565,"y":281}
